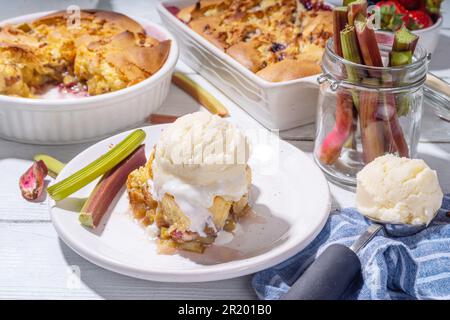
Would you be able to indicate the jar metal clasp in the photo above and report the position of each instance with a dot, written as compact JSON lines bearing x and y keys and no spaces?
{"x":326,"y":77}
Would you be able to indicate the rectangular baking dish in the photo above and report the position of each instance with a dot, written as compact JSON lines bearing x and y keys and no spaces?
{"x":276,"y":105}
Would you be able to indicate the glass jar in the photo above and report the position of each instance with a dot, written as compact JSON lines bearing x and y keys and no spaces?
{"x":365,"y":112}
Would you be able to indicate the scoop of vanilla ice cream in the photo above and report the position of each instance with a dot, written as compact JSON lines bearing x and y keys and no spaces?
{"x":198,"y":157}
{"x":202,"y":148}
{"x":398,"y":190}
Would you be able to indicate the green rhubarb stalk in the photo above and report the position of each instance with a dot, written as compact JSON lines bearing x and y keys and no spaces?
{"x":404,"y":40}
{"x":372,"y":129}
{"x":395,"y":106}
{"x":351,"y":141}
{"x":97,"y":168}
{"x":54,"y":166}
{"x":402,"y":53}
{"x":347,"y":2}
{"x":356,"y":9}
{"x":350,"y":52}
{"x":400,"y":58}
{"x":372,"y":137}
{"x":368,"y":44}
{"x":107,"y":188}
{"x":340,"y":20}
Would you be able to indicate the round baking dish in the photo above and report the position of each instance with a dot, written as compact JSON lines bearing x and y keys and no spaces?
{"x":75,"y":120}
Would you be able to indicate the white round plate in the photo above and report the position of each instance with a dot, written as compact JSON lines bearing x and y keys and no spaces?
{"x":290,"y":203}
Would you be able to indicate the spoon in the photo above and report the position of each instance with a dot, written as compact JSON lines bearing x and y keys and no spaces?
{"x":329,"y":276}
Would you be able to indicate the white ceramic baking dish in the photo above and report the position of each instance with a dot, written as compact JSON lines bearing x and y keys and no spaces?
{"x":74,"y":120}
{"x":277,"y":105}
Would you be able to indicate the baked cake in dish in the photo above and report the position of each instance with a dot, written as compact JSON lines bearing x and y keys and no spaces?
{"x":195,"y":184}
{"x":279,"y":40}
{"x":101,"y":52}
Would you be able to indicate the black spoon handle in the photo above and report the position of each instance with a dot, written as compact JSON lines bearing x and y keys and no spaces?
{"x":328,"y":276}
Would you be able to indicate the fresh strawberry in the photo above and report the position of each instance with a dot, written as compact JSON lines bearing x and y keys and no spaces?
{"x":392,"y":14}
{"x":389,"y":3}
{"x":410,"y":4}
{"x":398,"y":8}
{"x":417,"y":19}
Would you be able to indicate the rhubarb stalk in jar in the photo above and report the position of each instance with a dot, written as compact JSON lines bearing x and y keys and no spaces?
{"x":370,"y":101}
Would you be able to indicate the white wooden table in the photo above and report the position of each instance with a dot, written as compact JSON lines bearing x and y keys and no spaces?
{"x":35,"y":264}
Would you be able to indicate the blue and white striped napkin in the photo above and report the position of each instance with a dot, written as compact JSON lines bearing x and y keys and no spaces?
{"x":414,"y":267}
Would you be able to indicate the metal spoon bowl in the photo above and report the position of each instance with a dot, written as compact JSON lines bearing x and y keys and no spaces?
{"x":395,"y":229}
{"x":399,"y":229}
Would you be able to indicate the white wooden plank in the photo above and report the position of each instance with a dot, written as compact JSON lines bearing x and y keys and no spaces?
{"x":35,"y":265}
{"x":178,"y":103}
{"x":15,"y":159}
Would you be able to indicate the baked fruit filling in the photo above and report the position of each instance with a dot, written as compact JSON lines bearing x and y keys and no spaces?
{"x":172,"y":223}
{"x":181,"y":221}
{"x":101,"y":52}
{"x":278,"y":40}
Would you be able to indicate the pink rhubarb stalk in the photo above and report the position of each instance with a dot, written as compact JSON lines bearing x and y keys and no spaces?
{"x":395,"y":139}
{"x":371,"y":127}
{"x":333,"y":143}
{"x":31,"y":183}
{"x":110,"y":184}
{"x":173,"y":10}
{"x":344,"y":127}
{"x":355,"y":9}
{"x":155,"y":118}
{"x":368,"y":45}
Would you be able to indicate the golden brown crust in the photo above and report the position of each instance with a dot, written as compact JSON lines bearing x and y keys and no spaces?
{"x":19,"y":64}
{"x":11,"y":37}
{"x":149,"y":59}
{"x":205,"y":26}
{"x":106,"y":52}
{"x":185,"y":13}
{"x":124,"y":52}
{"x":106,"y":18}
{"x":260,"y":34}
{"x":317,"y":27}
{"x":247,"y":54}
{"x":289,"y":69}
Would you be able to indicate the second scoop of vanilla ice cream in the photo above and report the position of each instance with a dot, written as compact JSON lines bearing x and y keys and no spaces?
{"x":398,"y":190}
{"x":198,"y":157}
